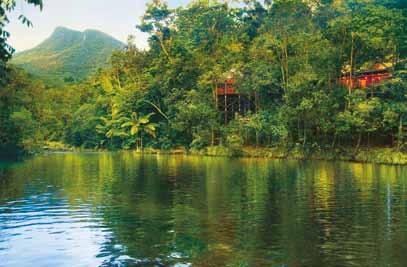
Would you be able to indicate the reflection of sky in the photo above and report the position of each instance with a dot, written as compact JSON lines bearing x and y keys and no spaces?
{"x":118,"y":209}
{"x":72,"y":236}
{"x":117,"y":18}
{"x":48,"y":224}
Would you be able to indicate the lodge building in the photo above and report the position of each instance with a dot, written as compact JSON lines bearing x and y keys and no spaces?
{"x":230,"y":102}
{"x":365,"y":79}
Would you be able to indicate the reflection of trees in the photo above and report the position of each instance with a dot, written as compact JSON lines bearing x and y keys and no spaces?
{"x":228,"y":212}
{"x":10,"y":187}
{"x":150,"y":212}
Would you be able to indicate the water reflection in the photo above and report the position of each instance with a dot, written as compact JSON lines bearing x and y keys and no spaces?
{"x":123,"y":209}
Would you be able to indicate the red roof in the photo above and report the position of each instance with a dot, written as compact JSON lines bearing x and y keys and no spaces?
{"x":366,"y":79}
{"x":226,"y":88}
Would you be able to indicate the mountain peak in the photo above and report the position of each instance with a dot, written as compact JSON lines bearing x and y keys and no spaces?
{"x":69,"y":54}
{"x":66,"y":30}
{"x":63,"y":29}
{"x":93,"y":31}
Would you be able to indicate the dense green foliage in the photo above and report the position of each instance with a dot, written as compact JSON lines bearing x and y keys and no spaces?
{"x":68,"y":55}
{"x":6,"y":6}
{"x":13,"y":100}
{"x":291,"y":53}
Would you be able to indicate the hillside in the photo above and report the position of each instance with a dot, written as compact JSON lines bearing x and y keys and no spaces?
{"x":68,"y":54}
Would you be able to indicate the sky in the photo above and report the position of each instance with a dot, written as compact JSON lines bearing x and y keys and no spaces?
{"x":117,"y":18}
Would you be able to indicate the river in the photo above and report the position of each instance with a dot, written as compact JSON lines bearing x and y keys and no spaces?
{"x":125,"y":209}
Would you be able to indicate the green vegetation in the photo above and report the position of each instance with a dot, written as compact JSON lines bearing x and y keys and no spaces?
{"x":289,"y":53}
{"x":68,"y":55}
{"x":6,"y":50}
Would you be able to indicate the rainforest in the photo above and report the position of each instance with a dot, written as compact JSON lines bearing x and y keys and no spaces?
{"x":299,"y":77}
{"x":241,"y":134}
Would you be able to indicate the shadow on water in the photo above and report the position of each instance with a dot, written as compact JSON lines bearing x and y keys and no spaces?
{"x":124,"y":209}
{"x":11,"y":153}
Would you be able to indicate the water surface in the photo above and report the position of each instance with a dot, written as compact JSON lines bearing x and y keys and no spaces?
{"x":124,"y":209}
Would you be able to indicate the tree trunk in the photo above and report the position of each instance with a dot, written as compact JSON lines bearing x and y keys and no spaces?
{"x":334,"y":140}
{"x":368,"y":139}
{"x":400,"y":134}
{"x":160,"y":38}
{"x":305,"y":136}
{"x":157,"y":108}
{"x":257,"y":101}
{"x":358,"y":144}
{"x":350,"y":86}
{"x":257,"y":138}
{"x":283,"y":77}
{"x":286,"y":61}
{"x":392,"y":139}
{"x":215,"y":94}
{"x":212,"y":137}
{"x":298,"y":130}
{"x":226,"y":104}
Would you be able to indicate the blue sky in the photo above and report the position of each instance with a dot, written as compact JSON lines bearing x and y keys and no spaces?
{"x":115,"y":17}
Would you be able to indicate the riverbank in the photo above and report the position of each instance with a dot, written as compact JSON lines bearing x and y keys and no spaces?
{"x":365,"y":155}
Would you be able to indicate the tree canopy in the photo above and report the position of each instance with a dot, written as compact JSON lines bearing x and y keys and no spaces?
{"x":287,"y":54}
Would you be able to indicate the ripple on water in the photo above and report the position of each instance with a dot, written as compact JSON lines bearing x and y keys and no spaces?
{"x":120,"y":209}
{"x":44,"y":220}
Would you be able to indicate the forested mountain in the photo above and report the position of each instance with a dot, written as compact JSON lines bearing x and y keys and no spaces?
{"x":68,"y":55}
